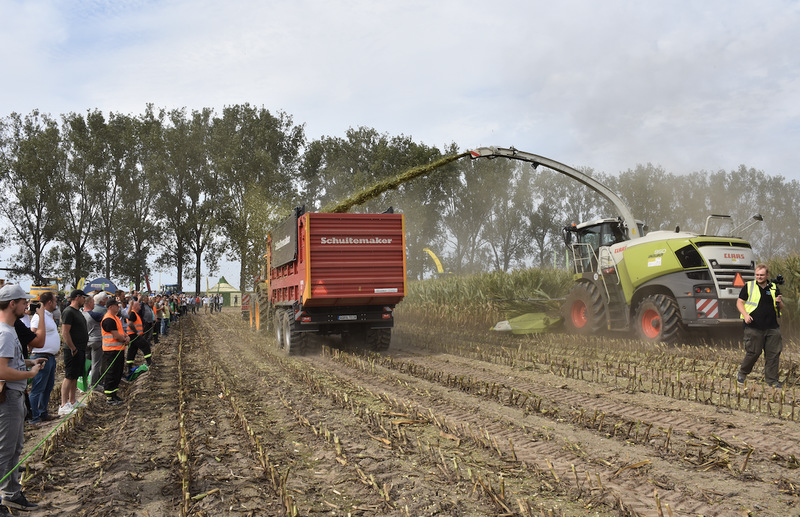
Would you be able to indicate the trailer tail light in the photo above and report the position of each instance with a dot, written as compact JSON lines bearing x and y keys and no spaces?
{"x":305,"y":319}
{"x":703,"y":290}
{"x":387,"y":315}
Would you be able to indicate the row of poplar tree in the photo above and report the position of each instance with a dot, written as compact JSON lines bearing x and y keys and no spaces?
{"x":122,"y":196}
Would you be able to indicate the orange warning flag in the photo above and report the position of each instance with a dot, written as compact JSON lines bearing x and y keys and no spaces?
{"x":738,"y":282}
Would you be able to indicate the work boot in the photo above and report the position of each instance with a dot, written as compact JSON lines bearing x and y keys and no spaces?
{"x":19,"y":502}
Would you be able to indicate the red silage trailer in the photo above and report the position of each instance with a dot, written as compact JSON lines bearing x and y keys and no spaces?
{"x":336,"y":274}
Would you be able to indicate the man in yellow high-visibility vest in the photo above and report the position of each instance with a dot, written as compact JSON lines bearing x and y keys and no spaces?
{"x":760,"y":303}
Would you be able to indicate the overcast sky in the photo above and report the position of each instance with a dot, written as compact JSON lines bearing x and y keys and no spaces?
{"x":688,"y":85}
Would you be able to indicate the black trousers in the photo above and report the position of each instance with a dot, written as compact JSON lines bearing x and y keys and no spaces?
{"x":113,"y":366}
{"x":138,"y":343}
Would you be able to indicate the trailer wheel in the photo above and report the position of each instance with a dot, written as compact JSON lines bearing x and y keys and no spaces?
{"x":379,"y":339}
{"x":294,"y":342}
{"x":584,"y":312}
{"x":658,"y":319}
{"x":277,"y":323}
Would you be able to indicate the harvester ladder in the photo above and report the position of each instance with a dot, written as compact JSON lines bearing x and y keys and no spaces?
{"x":617,"y":313}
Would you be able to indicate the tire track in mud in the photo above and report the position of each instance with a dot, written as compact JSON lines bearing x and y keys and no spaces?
{"x":704,"y":420}
{"x":431,"y":472}
{"x":689,"y":498}
{"x":313,"y":479}
{"x":224,"y":475}
{"x":511,"y":431}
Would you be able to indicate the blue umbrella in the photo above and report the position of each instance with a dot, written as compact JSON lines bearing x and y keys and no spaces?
{"x":101,"y":283}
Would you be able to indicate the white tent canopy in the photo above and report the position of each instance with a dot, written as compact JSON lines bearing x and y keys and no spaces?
{"x":231,"y":295}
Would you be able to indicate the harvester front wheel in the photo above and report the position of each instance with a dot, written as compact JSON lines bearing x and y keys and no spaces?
{"x":658,"y":319}
{"x":584,"y":312}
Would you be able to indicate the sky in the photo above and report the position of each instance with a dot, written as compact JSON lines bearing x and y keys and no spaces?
{"x":687,"y":85}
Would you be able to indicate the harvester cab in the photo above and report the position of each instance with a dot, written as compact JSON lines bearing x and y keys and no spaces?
{"x":586,"y":240}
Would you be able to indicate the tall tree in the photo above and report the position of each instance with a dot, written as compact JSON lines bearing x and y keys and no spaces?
{"x":30,"y":167}
{"x":466,"y":215}
{"x":115,"y":161}
{"x":505,"y":234}
{"x":256,"y":156}
{"x":80,"y":193}
{"x":188,"y":200}
{"x":137,"y":196}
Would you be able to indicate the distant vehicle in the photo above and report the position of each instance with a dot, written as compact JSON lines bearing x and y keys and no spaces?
{"x":170,"y":289}
{"x":44,"y":285}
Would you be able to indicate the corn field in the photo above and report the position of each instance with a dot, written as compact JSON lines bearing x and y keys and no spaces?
{"x":482,"y":300}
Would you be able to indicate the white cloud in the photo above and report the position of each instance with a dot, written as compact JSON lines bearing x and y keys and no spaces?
{"x":688,"y":85}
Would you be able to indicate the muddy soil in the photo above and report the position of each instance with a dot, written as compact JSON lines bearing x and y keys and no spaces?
{"x":446,"y":423}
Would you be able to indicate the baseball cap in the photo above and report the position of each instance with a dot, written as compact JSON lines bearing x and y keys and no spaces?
{"x":112,"y":301}
{"x":13,"y":292}
{"x":75,"y":293}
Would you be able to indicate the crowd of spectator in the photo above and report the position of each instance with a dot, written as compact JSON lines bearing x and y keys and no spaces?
{"x":92,"y":333}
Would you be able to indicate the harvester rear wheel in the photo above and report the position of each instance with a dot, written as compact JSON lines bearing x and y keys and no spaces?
{"x":277,"y":323}
{"x":294,"y":342}
{"x":584,"y":312}
{"x":658,"y":319}
{"x":379,"y":339}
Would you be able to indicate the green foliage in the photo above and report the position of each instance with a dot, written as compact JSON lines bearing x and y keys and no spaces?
{"x":485,"y":298}
{"x":257,"y":155}
{"x":32,"y":164}
{"x":111,"y":192}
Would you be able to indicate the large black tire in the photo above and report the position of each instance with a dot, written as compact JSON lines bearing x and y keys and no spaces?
{"x":294,"y":342}
{"x":277,"y":324}
{"x":379,"y":339}
{"x":584,"y":311}
{"x":658,"y":319}
{"x":263,"y":309}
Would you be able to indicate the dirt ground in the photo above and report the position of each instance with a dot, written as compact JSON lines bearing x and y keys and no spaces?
{"x":447,"y":423}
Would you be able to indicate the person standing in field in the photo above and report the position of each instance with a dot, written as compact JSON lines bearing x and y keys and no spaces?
{"x":114,"y":342}
{"x":14,"y":374}
{"x":148,"y":317}
{"x":760,"y":303}
{"x":136,"y":336}
{"x":96,"y":338}
{"x":43,"y":384}
{"x":76,"y":337}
